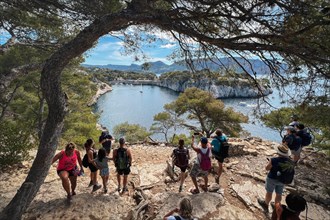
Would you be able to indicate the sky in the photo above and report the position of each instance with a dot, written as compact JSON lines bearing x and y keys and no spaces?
{"x":110,"y":50}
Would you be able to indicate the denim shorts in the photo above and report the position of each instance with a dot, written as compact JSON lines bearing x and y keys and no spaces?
{"x":273,"y":184}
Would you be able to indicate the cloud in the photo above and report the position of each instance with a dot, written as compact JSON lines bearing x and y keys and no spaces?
{"x":167,"y":46}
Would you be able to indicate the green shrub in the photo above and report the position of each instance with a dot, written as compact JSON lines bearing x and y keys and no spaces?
{"x":15,"y":143}
{"x":131,"y":132}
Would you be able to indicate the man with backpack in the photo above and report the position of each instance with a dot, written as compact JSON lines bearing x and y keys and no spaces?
{"x":306,"y":138}
{"x":106,"y":139}
{"x":217,"y":144}
{"x":122,"y":158}
{"x":281,"y":172}
{"x":293,"y":141}
{"x":202,"y":164}
{"x":294,"y":120}
{"x":181,"y":158}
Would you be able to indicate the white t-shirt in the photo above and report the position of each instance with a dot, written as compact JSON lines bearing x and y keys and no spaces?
{"x":199,"y":156}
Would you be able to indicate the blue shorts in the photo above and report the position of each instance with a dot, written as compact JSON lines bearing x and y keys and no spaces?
{"x":273,"y":184}
{"x":104,"y":171}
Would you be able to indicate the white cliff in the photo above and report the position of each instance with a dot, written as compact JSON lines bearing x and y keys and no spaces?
{"x":227,"y":89}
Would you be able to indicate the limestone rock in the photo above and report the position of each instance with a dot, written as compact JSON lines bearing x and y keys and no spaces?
{"x":248,"y":192}
{"x":214,"y":187}
{"x":203,"y":203}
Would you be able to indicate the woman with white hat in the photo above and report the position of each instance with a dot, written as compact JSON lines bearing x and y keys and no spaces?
{"x":273,"y":181}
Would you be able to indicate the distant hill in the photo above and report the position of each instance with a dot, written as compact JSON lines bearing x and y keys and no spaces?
{"x":159,"y":67}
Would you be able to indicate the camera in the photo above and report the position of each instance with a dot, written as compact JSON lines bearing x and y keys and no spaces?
{"x":197,"y":133}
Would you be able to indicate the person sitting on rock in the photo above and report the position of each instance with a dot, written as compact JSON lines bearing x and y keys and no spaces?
{"x":185,"y":211}
{"x":181,"y":158}
{"x":293,"y":141}
{"x":272,"y":182}
{"x":202,"y":165}
{"x":216,"y":144}
{"x":67,"y":168}
{"x":295,"y":204}
{"x":122,"y":158}
{"x":106,"y":139}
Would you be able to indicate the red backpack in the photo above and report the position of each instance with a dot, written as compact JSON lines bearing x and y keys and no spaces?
{"x":205,"y":161}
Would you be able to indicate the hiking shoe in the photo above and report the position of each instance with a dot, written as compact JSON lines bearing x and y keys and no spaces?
{"x":263,"y":204}
{"x":118,"y":189}
{"x":125,"y":189}
{"x":69,"y":198}
{"x":180,"y":189}
{"x":73,"y":193}
{"x":105,"y":190}
{"x":90,"y":183}
{"x":96,"y":187}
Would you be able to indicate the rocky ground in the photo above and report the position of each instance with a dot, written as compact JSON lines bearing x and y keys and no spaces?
{"x":152,"y":191}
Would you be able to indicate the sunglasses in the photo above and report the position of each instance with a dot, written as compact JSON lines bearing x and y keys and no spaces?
{"x":70,"y":147}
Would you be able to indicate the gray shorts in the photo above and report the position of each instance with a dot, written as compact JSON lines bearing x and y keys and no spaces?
{"x":296,"y":152}
{"x":196,"y":171}
{"x":273,"y":184}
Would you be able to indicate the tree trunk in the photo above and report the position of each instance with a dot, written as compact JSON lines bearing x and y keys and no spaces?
{"x":51,"y":89}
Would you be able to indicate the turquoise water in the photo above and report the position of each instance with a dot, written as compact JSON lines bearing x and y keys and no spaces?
{"x":127,"y":103}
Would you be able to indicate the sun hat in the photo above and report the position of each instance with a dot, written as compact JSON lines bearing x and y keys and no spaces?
{"x":283,"y":150}
{"x":204,"y":140}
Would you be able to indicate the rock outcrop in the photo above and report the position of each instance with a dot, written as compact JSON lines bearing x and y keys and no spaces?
{"x":152,"y":192}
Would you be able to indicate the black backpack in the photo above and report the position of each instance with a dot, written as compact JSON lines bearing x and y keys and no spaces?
{"x":85,"y":162}
{"x":224,"y":148}
{"x":181,"y":157}
{"x":285,"y":172}
{"x":306,"y":138}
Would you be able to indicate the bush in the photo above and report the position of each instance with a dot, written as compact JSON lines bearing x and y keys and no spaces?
{"x":187,"y":140}
{"x":15,"y":143}
{"x":131,"y":132}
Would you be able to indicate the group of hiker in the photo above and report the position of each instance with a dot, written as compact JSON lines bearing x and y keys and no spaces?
{"x":281,"y":168}
{"x":281,"y":172}
{"x":202,"y":164}
{"x":95,"y":160}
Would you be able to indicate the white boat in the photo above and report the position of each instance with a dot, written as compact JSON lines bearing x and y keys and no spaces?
{"x":242,"y":104}
{"x":141,"y":90}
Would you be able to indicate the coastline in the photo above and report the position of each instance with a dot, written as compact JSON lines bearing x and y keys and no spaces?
{"x":102,"y":88}
{"x":218,"y":91}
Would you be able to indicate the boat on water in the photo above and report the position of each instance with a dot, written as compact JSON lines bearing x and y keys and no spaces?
{"x":141,"y":90}
{"x":242,"y":103}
